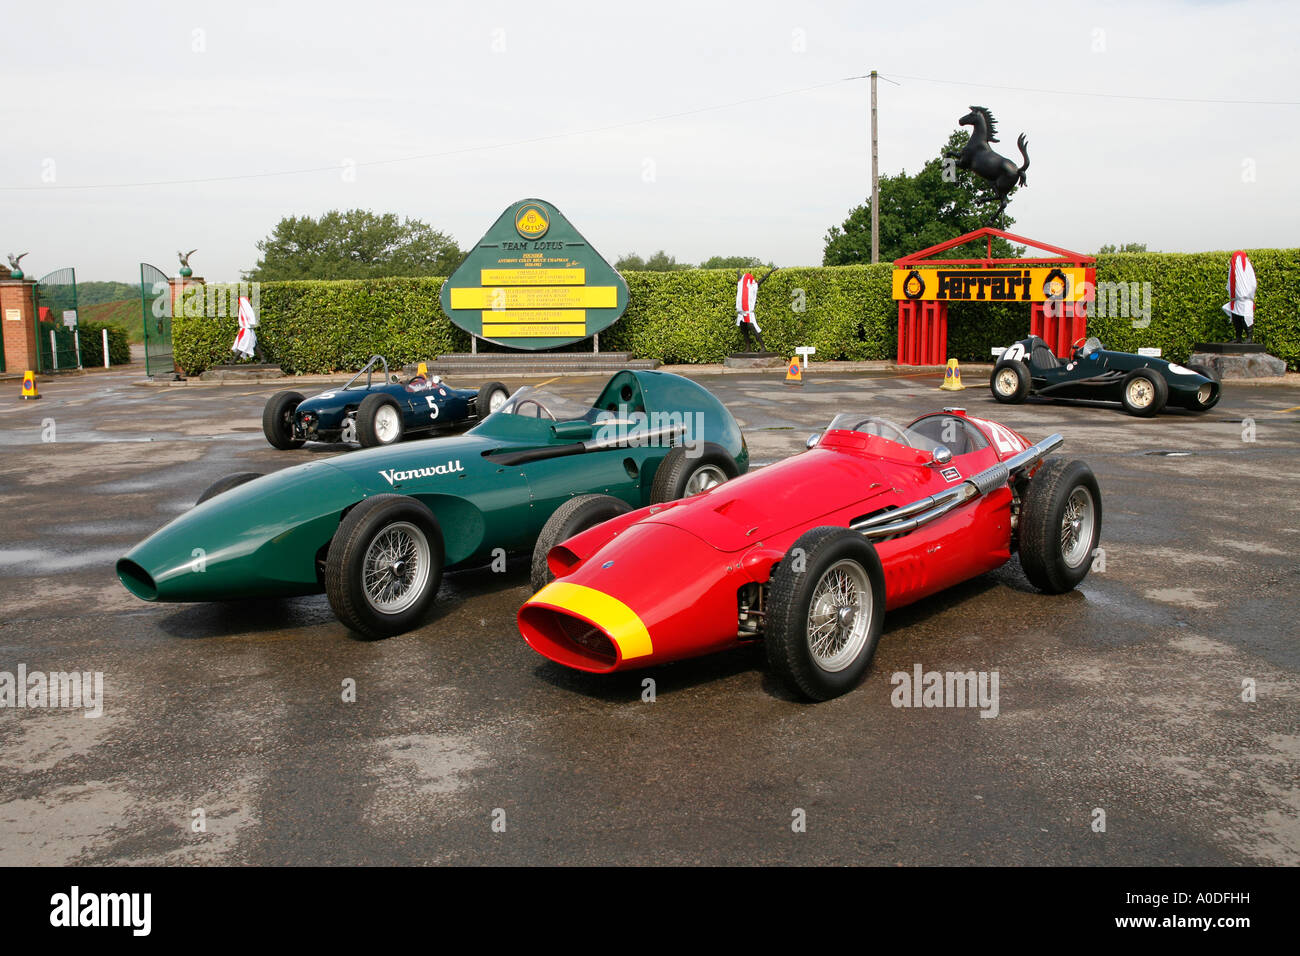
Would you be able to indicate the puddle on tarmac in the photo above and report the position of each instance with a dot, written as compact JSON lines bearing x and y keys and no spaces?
{"x":36,"y":561}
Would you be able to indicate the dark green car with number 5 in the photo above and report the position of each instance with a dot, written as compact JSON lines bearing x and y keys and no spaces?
{"x":375,"y":529}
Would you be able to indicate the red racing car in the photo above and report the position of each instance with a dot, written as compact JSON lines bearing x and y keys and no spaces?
{"x":807,"y":555}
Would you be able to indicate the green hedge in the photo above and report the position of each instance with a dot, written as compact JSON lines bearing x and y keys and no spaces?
{"x":311,"y":327}
{"x":689,"y":316}
{"x":92,"y":344}
{"x":1188,"y":291}
{"x":90,"y":337}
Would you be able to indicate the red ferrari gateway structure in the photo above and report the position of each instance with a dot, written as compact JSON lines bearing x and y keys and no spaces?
{"x":1058,"y":288}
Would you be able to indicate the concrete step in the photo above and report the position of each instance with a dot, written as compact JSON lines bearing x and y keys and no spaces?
{"x":498,"y":363}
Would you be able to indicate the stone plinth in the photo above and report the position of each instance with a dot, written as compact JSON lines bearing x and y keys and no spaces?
{"x":754,"y":360}
{"x":1237,"y":360}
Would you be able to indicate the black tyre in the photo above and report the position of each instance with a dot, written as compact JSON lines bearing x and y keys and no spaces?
{"x":825,"y":611}
{"x":1060,"y":524}
{"x":1010,"y":382}
{"x":226,"y":483}
{"x":277,"y":420}
{"x":1144,"y":392}
{"x":680,"y":475}
{"x":1202,"y":370}
{"x":490,"y":397}
{"x":379,"y":421}
{"x":384,"y":566}
{"x":573,"y":517}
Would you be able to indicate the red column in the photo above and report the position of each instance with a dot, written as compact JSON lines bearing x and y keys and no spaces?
{"x":904,"y":308}
{"x":941,"y":358}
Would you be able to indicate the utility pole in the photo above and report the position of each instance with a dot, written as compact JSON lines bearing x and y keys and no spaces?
{"x":875,"y":178}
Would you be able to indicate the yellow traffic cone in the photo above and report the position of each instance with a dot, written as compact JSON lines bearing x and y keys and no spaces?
{"x":422,"y":369}
{"x":29,"y":385}
{"x":952,"y":378}
{"x":794,"y":373}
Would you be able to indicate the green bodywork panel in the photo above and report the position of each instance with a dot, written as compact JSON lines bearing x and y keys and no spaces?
{"x":266,"y":537}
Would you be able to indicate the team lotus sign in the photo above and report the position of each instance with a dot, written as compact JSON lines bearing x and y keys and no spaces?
{"x":975,"y":284}
{"x":533,"y":282}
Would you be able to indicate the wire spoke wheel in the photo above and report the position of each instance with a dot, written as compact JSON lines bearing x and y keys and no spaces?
{"x":1007,"y":382}
{"x":396,"y":568}
{"x":704,"y":478}
{"x":1076,"y":527}
{"x":1060,"y":525}
{"x":839,"y":616}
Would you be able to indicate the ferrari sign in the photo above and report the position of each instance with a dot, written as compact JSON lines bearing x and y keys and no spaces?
{"x":533,"y":282}
{"x":1035,"y":284}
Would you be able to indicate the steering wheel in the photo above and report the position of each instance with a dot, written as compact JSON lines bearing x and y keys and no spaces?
{"x":903,"y":439}
{"x":532,"y":401}
{"x":416,"y":381}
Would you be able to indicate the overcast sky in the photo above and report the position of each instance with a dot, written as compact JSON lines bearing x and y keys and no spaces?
{"x":518,"y":100}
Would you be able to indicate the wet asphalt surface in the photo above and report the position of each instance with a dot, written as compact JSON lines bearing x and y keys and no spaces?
{"x":1125,"y":696}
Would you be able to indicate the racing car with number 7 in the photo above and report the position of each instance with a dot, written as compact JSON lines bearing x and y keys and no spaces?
{"x":1143,"y":384}
{"x":808,"y":554}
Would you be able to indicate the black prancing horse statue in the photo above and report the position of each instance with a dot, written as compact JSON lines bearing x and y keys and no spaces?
{"x":980,"y":159}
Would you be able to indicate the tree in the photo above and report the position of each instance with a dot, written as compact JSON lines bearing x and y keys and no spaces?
{"x":735,"y":262}
{"x":939,"y":203}
{"x":1126,"y":247}
{"x":659,"y":262}
{"x":357,"y":244}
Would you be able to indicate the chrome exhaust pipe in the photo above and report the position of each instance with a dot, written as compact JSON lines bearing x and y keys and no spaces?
{"x":932,"y":507}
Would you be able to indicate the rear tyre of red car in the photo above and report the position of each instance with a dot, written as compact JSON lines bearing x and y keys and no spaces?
{"x":1060,"y":524}
{"x":384,"y":566}
{"x":225,"y":484}
{"x":1010,"y":382}
{"x":573,"y":517}
{"x":490,"y":397}
{"x":379,"y":421}
{"x":1144,"y":392}
{"x":277,"y":420}
{"x":682,"y":475}
{"x":825,"y":612}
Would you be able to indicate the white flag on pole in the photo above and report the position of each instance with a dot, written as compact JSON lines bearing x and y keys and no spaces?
{"x":246,"y":340}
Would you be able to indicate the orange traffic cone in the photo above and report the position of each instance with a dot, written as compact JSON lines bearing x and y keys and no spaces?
{"x":29,"y":385}
{"x":794,"y":373}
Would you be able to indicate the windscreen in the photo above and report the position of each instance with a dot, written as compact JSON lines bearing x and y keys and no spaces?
{"x":882,"y":428}
{"x":533,"y":402}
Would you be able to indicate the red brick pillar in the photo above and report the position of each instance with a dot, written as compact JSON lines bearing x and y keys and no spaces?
{"x":18,"y":320}
{"x":180,"y":285}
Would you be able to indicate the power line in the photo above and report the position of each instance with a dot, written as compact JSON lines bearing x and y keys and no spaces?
{"x":487,"y":147}
{"x":1108,"y":96}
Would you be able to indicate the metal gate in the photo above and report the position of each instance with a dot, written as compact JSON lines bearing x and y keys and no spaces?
{"x":156,"y":309}
{"x":57,"y":345}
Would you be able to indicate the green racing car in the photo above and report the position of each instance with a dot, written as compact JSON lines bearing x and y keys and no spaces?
{"x":375,"y":529}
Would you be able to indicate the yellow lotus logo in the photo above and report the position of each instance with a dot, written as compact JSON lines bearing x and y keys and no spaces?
{"x":531,"y":222}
